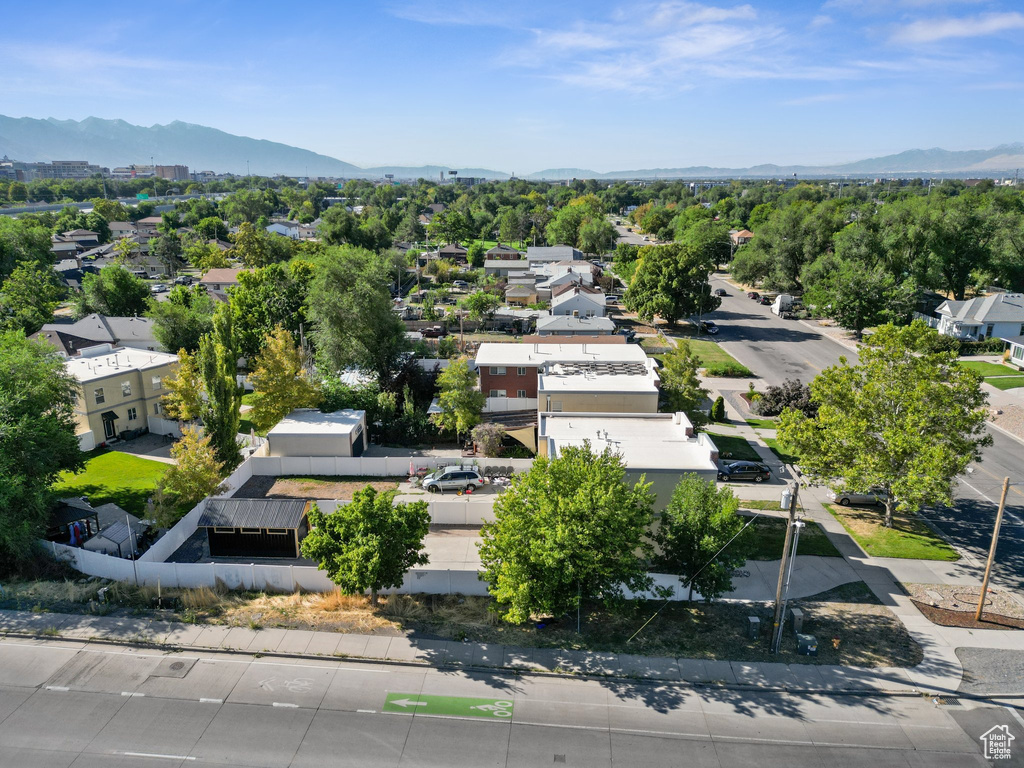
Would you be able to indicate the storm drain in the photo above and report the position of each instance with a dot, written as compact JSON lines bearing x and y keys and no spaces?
{"x":559,"y":758}
{"x":173,"y":668}
{"x":946,"y":701}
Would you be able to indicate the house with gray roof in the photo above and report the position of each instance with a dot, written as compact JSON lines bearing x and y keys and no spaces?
{"x":254,"y":527}
{"x":539,"y":254}
{"x":998,"y":315}
{"x":70,"y":338}
{"x":568,"y":325}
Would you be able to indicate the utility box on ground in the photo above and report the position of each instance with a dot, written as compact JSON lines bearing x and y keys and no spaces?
{"x":753,"y":627}
{"x":798,"y":621}
{"x":806,"y":645}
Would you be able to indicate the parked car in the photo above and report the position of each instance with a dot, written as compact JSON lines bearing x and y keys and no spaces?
{"x":765,"y":300}
{"x":753,"y":295}
{"x":159,"y":288}
{"x":720,"y":292}
{"x":613,"y":297}
{"x":629,"y":333}
{"x":452,"y":479}
{"x":460,"y":284}
{"x":434,"y":332}
{"x":871,"y":496}
{"x":184,"y":280}
{"x":708,"y":326}
{"x":745,"y":470}
{"x":646,"y":239}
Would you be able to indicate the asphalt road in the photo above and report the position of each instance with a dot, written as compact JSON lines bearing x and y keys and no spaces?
{"x":778,"y":349}
{"x":114,"y":706}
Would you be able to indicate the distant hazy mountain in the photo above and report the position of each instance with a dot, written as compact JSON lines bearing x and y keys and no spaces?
{"x":114,"y":143}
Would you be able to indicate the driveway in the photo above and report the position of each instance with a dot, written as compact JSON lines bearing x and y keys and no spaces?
{"x":150,"y":446}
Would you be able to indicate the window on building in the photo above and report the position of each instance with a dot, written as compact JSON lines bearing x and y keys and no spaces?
{"x":253,"y":531}
{"x":223,"y":530}
{"x":277,"y":531}
{"x":126,"y":388}
{"x":156,"y":409}
{"x":498,"y":393}
{"x":98,"y":394}
{"x":157,"y":382}
{"x":1018,"y":352}
{"x":522,"y":371}
{"x":132,"y":414}
{"x":521,"y":393}
{"x":556,"y":406}
{"x":497,"y":370}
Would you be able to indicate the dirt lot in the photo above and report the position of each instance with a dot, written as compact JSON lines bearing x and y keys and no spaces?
{"x":313,"y":487}
{"x":955,"y":606}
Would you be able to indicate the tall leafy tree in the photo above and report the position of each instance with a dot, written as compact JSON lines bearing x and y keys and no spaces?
{"x":681,"y":385}
{"x":906,"y":419}
{"x":29,"y":296}
{"x":218,"y":368}
{"x":693,"y":537}
{"x":960,"y":242}
{"x":37,"y":440}
{"x":184,"y":398}
{"x":114,"y":292}
{"x":460,"y":400}
{"x":22,"y":241}
{"x":671,"y":282}
{"x":167,"y":247}
{"x":281,"y":381}
{"x":349,"y":303}
{"x":268,"y":297}
{"x":858,"y":296}
{"x":370,"y":544}
{"x":195,"y":475}
{"x":569,"y":530}
{"x":182,"y":320}
{"x":255,"y":247}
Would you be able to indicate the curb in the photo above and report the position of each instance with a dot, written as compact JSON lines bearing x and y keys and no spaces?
{"x":1006,"y":432}
{"x":174,"y":648}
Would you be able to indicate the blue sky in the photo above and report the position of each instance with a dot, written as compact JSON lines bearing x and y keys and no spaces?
{"x":521,"y":86}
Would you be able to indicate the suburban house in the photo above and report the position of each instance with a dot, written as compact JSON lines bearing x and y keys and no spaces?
{"x":503,"y":252}
{"x":308,"y":432}
{"x":567,"y":325}
{"x":289,"y":229}
{"x":658,"y":446}
{"x":997,"y":315}
{"x":504,"y":267}
{"x":92,"y":330}
{"x":598,"y":387}
{"x":254,"y":527}
{"x":521,"y":295}
{"x":147,"y":227}
{"x":453,"y":252}
{"x":119,"y":229}
{"x":120,"y":391}
{"x":742,"y":237}
{"x":84,"y":237}
{"x":1015,"y":345}
{"x":511,"y":370}
{"x":217,"y":281}
{"x":541,"y":254}
{"x":577,"y":300}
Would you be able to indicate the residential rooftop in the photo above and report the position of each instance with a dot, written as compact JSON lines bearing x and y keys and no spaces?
{"x":644,"y":440}
{"x":310,"y":421}
{"x":575,"y":324}
{"x":101,"y":362}
{"x":620,"y":378}
{"x":498,"y":353}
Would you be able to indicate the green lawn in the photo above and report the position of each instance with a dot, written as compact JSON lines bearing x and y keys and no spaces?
{"x":763,"y":540}
{"x":785,"y":458}
{"x":734,"y":448}
{"x":712,"y":357}
{"x":1006,"y":382}
{"x":908,"y":538}
{"x":111,"y":476}
{"x":763,"y":423}
{"x":985,"y":369}
{"x":761,"y":504}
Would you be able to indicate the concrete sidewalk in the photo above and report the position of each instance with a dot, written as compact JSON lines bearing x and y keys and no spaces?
{"x":78,"y":631}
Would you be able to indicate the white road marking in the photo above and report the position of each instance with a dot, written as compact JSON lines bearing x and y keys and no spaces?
{"x":1006,"y":512}
{"x":153,"y":754}
{"x":132,"y":694}
{"x":1015,"y":714}
{"x":367,"y":711}
{"x":285,"y":705}
{"x":57,"y":688}
{"x":211,"y":701}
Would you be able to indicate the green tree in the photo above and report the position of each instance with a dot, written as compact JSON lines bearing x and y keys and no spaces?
{"x":248,"y":206}
{"x":460,"y":400}
{"x":218,"y":368}
{"x":29,"y":296}
{"x":597,"y":236}
{"x":211,"y":228}
{"x":449,"y":226}
{"x":858,"y":296}
{"x":671,"y":282}
{"x":369,"y":544}
{"x":167,"y":247}
{"x":255,"y":247}
{"x":206,"y":256}
{"x":37,"y":440}
{"x":693,"y":536}
{"x":681,"y":385}
{"x":22,"y":241}
{"x":184,"y":398}
{"x":268,"y":297}
{"x":349,"y":304}
{"x":906,"y":419}
{"x":195,"y":475}
{"x":569,"y":530}
{"x":114,"y":292}
{"x":476,"y":255}
{"x":960,"y":242}
{"x":281,"y":382}
{"x":182,"y":320}
{"x":480,"y":305}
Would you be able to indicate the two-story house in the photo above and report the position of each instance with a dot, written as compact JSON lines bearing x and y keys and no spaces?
{"x":119,"y":392}
{"x":578,"y":301}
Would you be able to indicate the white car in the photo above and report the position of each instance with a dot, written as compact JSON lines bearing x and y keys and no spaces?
{"x":159,"y":288}
{"x":872,"y":496}
{"x":452,"y":479}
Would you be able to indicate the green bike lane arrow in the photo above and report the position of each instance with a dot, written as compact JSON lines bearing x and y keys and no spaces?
{"x":457,"y":706}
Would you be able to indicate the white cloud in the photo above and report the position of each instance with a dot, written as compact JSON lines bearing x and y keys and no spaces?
{"x":821,"y":20}
{"x":933,"y":30}
{"x":451,"y":14}
{"x":820,"y":98}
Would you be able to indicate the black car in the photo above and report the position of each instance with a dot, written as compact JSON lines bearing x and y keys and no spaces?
{"x":744,"y":470}
{"x":720,"y":292}
{"x":708,"y":326}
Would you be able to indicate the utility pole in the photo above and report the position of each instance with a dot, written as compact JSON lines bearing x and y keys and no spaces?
{"x":779,"y":617}
{"x":992,"y":549}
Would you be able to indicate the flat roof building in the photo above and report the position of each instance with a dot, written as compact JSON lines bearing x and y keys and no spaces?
{"x":308,"y":432}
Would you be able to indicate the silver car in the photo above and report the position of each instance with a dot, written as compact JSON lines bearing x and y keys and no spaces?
{"x":872,"y":496}
{"x":453,"y":479}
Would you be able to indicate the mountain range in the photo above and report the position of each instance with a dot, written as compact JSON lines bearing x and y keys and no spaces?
{"x":113,"y":143}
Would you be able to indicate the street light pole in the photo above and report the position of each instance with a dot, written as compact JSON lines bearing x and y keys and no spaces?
{"x":777,"y":621}
{"x":992,"y":549}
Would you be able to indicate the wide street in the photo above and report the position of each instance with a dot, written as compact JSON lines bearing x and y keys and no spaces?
{"x":778,"y":349}
{"x":72,"y":704}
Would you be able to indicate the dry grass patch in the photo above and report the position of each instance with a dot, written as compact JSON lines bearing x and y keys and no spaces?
{"x":329,"y":487}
